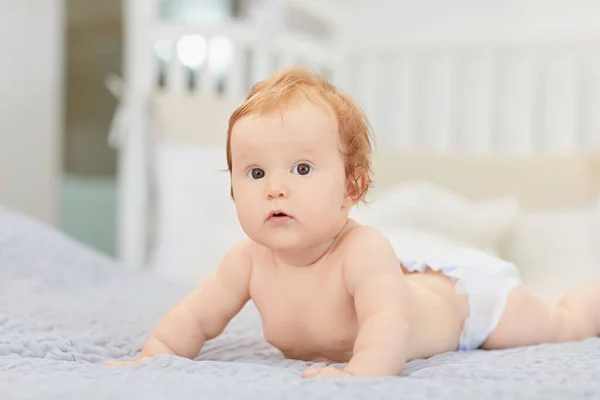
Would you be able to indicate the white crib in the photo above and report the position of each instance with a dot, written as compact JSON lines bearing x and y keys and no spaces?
{"x":518,"y":97}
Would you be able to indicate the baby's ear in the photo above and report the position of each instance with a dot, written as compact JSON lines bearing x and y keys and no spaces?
{"x":356,"y":188}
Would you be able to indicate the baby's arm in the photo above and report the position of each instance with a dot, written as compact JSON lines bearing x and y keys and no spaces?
{"x":375,"y":280}
{"x":205,"y":313}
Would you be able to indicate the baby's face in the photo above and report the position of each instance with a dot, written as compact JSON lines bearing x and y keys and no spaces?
{"x":288,"y":176}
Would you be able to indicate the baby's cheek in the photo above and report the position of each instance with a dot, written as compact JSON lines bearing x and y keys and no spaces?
{"x":246,"y":211}
{"x":324,"y":203}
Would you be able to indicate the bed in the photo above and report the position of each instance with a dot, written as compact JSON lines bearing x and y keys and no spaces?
{"x":65,"y":308}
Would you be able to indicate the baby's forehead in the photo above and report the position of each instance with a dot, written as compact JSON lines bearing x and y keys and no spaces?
{"x":282,"y":145}
{"x":306,"y":123}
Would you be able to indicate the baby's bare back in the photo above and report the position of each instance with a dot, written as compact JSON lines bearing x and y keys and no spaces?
{"x":308,"y":312}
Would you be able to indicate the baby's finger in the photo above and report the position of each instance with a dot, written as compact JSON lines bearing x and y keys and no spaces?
{"x":331,"y":373}
{"x":325,"y":372}
{"x":311,"y":372}
{"x":119,"y":363}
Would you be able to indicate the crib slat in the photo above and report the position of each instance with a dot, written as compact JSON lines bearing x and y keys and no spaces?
{"x":286,"y":58}
{"x":205,"y":80}
{"x":155,"y":66}
{"x":445,"y":130}
{"x":486,"y":142}
{"x":261,"y":62}
{"x":538,"y":128}
{"x":341,"y":73}
{"x":176,"y":74}
{"x":313,"y":63}
{"x":402,"y":96}
{"x":367,"y":94}
{"x":593,"y":104}
{"x":558,"y":118}
{"x":583,"y":85}
{"x":235,"y":88}
{"x":514,"y":111}
{"x":200,"y":76}
{"x":133,"y":206}
{"x":474,"y":115}
{"x":434,"y":102}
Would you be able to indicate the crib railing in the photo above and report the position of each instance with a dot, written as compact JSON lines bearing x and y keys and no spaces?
{"x":504,"y":98}
{"x":228,"y":59}
{"x":516,"y":97}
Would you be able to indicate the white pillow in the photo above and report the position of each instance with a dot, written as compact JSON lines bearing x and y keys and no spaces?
{"x":196,"y":218}
{"x":430,"y":208}
{"x":558,"y":250}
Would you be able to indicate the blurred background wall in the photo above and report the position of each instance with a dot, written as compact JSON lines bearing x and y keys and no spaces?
{"x":32,"y":68}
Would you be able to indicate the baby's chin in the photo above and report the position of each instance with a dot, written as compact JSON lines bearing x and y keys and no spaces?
{"x":281,"y":242}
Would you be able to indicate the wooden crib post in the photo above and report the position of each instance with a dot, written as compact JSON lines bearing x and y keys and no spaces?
{"x":132,"y":175}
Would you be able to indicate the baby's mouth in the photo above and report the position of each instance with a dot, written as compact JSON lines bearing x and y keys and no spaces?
{"x":279,"y":217}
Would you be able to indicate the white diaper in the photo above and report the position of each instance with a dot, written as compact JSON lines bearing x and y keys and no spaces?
{"x":487,"y":281}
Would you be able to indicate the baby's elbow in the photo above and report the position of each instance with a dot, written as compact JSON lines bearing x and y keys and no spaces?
{"x":215,"y":322}
{"x":215,"y":327}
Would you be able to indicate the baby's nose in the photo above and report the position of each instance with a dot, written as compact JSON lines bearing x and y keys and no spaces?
{"x":276,"y":193}
{"x":277,"y":189}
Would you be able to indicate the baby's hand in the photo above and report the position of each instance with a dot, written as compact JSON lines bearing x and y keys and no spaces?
{"x":328,"y":372}
{"x":124,"y":363}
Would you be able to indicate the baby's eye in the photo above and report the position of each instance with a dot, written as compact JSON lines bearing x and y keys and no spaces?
{"x":256,"y":173}
{"x":302,"y":169}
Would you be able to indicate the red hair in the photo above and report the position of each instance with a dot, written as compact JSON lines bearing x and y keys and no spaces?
{"x":284,"y":87}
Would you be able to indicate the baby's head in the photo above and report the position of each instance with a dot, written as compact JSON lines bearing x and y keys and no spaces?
{"x":299,"y":147}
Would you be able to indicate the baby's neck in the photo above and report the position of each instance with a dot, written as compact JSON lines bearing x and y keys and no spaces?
{"x":308,"y":256}
{"x":304,"y":257}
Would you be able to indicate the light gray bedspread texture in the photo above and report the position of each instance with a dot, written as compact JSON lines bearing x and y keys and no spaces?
{"x":64,"y":309}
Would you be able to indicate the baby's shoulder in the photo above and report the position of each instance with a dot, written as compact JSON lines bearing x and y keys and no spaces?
{"x":366,"y":253}
{"x":254,"y":253}
{"x":362,"y":242}
{"x":362,"y":237}
{"x":246,"y":248}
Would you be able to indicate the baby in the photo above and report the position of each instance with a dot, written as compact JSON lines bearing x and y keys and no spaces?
{"x":328,"y":289}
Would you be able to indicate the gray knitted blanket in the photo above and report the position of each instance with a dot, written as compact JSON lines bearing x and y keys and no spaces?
{"x":64,"y":309}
